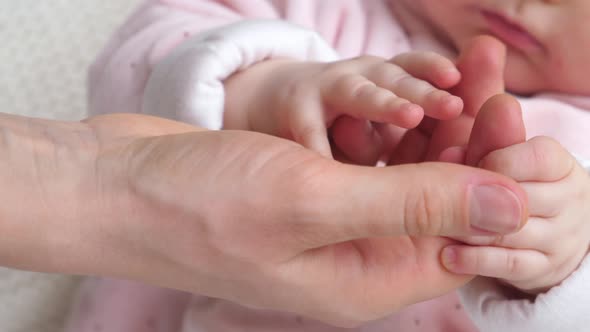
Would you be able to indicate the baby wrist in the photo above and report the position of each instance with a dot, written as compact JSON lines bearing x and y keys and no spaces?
{"x":250,"y":94}
{"x":188,"y":84}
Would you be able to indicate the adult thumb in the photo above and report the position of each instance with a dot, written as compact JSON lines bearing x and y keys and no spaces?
{"x":430,"y":199}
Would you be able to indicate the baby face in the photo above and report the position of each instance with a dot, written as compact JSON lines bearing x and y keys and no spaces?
{"x":548,"y":40}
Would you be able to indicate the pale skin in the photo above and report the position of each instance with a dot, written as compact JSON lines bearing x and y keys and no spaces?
{"x":154,"y":200}
{"x":302,"y":100}
{"x":557,"y":237}
{"x":558,"y":62}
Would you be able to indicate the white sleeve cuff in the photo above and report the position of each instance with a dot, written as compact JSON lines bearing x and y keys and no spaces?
{"x":584,"y":162}
{"x":187,"y":85}
{"x":564,"y":308}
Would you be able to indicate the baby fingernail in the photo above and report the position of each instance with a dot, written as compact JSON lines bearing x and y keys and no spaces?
{"x":449,"y":257}
{"x":494,"y":209}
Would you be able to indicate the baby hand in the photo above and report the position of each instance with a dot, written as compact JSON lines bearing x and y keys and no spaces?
{"x":557,"y":236}
{"x":302,"y":100}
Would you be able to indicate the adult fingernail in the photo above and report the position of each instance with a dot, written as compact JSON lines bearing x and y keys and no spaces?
{"x":494,"y":209}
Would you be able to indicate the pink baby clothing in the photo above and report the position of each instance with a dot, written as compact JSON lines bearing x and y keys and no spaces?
{"x":170,"y":59}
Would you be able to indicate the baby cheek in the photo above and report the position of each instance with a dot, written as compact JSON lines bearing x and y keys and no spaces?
{"x":569,"y":74}
{"x":568,"y":51}
{"x":558,"y":61}
{"x":523,"y":76}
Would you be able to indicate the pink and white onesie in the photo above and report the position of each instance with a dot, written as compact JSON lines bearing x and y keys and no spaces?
{"x":170,"y":59}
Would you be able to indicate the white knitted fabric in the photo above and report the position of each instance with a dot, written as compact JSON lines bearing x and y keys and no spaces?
{"x":44,"y":51}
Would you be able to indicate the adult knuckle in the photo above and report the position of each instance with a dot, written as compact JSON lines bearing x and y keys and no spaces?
{"x":422,"y":213}
{"x":307,"y":187}
{"x":303,"y":184}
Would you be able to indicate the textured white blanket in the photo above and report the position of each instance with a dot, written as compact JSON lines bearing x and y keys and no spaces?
{"x":46,"y":47}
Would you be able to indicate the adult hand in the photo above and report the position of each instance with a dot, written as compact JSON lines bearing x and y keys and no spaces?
{"x":238,"y":215}
{"x":265,"y":222}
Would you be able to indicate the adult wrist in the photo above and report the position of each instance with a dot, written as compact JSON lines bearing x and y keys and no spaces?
{"x":135,"y":221}
{"x":45,"y":179}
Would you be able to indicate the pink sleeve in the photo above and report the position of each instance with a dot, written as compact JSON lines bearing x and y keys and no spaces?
{"x":119,"y":75}
{"x":219,"y":37}
{"x":560,"y":117}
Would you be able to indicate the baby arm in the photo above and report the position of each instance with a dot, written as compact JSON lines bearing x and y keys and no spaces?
{"x":546,"y":259}
{"x":303,"y":100}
